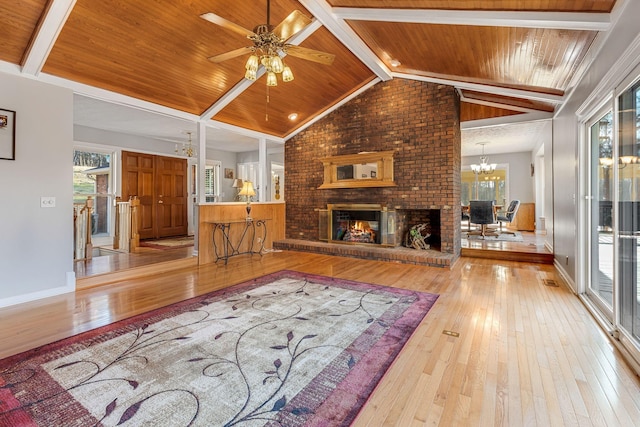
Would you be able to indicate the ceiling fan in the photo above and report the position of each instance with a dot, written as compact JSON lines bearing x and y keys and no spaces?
{"x":270,"y":46}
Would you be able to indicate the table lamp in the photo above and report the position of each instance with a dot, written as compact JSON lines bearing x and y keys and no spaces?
{"x":237,"y":183}
{"x":248,"y":191}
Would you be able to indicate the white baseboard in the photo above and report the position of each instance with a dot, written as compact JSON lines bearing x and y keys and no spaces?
{"x":20,"y":299}
{"x":565,"y":276}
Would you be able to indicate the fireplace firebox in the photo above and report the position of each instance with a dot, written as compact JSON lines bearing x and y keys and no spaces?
{"x":361,"y":224}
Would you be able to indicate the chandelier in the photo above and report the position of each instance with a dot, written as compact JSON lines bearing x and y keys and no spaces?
{"x":187,"y":150}
{"x":265,"y":52}
{"x":483,"y":167}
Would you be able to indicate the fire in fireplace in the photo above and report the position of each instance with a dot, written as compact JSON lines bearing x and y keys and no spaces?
{"x":354,"y":230}
{"x":361,"y":223}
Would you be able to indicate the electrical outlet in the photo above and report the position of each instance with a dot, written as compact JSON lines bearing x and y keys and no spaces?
{"x":47,"y":202}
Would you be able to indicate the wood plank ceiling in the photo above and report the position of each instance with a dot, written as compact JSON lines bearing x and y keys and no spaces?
{"x":505,"y":56}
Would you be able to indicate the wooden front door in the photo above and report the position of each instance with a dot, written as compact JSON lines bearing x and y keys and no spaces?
{"x":161,"y":185}
{"x":171,"y":191}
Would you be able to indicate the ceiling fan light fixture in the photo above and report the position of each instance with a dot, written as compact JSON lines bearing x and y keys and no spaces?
{"x":252,"y":63}
{"x":251,"y":75}
{"x":270,"y":45}
{"x":276,"y":64}
{"x":271,"y":79}
{"x":287,"y":74}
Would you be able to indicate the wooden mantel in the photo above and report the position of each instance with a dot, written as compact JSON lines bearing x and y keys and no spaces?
{"x":272,"y":213}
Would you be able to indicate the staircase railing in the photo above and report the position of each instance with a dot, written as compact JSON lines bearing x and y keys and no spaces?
{"x":83,"y":248}
{"x":126,"y":237}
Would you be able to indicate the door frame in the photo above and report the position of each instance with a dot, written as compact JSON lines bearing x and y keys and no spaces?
{"x":154,"y":185}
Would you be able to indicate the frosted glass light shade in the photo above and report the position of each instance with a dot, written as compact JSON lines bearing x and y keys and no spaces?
{"x":271,"y":79}
{"x":287,"y":74}
{"x":252,"y":63}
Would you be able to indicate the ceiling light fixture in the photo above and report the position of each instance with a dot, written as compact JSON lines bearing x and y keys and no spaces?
{"x":265,"y":51}
{"x":293,"y":116}
{"x":395,"y":63}
{"x":187,"y":150}
{"x":483,"y":167}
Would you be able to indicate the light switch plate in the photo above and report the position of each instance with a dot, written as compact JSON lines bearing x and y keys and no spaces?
{"x":47,"y":202}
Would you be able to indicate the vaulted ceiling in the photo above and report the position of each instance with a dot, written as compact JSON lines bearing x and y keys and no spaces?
{"x":505,"y":57}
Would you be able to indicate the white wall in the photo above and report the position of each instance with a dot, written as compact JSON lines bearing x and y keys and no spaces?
{"x":521,"y":183}
{"x":229,"y":160}
{"x":36,"y":244}
{"x":565,"y":140}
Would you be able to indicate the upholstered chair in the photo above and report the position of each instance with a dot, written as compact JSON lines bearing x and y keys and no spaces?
{"x":509,"y":215}
{"x":482,"y":213}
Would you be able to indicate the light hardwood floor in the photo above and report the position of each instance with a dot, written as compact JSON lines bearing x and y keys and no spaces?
{"x":527,"y":354}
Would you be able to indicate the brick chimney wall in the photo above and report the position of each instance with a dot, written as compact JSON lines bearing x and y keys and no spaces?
{"x":419,"y":121}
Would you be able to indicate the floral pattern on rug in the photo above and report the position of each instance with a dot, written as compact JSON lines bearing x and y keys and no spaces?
{"x":287,"y":349}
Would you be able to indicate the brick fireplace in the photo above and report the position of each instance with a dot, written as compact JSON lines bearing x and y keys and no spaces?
{"x":419,"y":122}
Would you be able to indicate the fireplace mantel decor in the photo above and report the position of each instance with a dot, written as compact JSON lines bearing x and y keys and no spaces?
{"x":360,"y":170}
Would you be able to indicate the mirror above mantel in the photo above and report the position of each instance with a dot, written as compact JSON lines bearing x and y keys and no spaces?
{"x":361,"y":170}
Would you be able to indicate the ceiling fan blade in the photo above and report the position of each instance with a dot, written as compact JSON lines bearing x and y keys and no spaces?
{"x":232,"y":54}
{"x":218,"y":20}
{"x":311,"y":55}
{"x":291,"y":25}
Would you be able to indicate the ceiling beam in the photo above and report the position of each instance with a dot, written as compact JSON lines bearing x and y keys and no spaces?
{"x":116,"y":98}
{"x":478,"y":87}
{"x":552,"y":20}
{"x":243,"y":131}
{"x":501,"y":105}
{"x":345,"y":34}
{"x":46,"y":35}
{"x":505,"y":120}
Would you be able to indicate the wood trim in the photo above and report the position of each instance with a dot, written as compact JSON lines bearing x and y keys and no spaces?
{"x":272,"y":213}
{"x":384,"y":170}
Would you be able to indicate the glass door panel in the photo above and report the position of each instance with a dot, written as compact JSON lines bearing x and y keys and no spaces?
{"x":629,"y":209}
{"x":92,"y":177}
{"x":600,"y":286}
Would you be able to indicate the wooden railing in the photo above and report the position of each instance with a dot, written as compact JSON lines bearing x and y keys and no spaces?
{"x":83,"y":248}
{"x":126,"y":237}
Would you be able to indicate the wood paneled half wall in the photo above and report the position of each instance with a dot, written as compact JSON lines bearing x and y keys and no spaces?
{"x":273,"y":215}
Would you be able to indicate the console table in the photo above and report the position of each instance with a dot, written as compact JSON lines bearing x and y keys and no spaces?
{"x":232,"y":243}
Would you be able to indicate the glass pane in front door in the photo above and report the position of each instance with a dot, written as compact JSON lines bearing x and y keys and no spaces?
{"x":601,"y":218}
{"x":629,"y":209}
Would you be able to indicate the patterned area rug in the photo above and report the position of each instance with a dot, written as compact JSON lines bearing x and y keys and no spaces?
{"x":170,"y":243}
{"x":286,"y":349}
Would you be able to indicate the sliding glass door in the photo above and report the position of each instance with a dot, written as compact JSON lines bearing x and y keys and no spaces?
{"x":600,"y":212}
{"x":629,"y":210}
{"x":612,"y":214}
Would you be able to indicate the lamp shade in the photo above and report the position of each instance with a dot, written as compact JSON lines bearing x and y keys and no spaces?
{"x":247,"y":189}
{"x":237,"y":183}
{"x":271,"y":79}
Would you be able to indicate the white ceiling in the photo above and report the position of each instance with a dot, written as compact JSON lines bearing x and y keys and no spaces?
{"x":99,"y":114}
{"x":507,"y":138}
{"x":95,"y":113}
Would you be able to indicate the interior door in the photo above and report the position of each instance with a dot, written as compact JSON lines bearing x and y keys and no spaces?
{"x":161,"y":185}
{"x":171,"y":196}
{"x":138,"y":179}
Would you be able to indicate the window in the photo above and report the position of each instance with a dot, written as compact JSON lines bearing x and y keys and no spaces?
{"x":484,"y":187}
{"x":92,"y":177}
{"x":212,"y":181}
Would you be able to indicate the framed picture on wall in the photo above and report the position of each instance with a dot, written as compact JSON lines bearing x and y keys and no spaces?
{"x":7,"y":134}
{"x":228,"y":173}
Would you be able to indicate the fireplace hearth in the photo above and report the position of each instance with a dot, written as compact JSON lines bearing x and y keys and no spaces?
{"x":373,"y":231}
